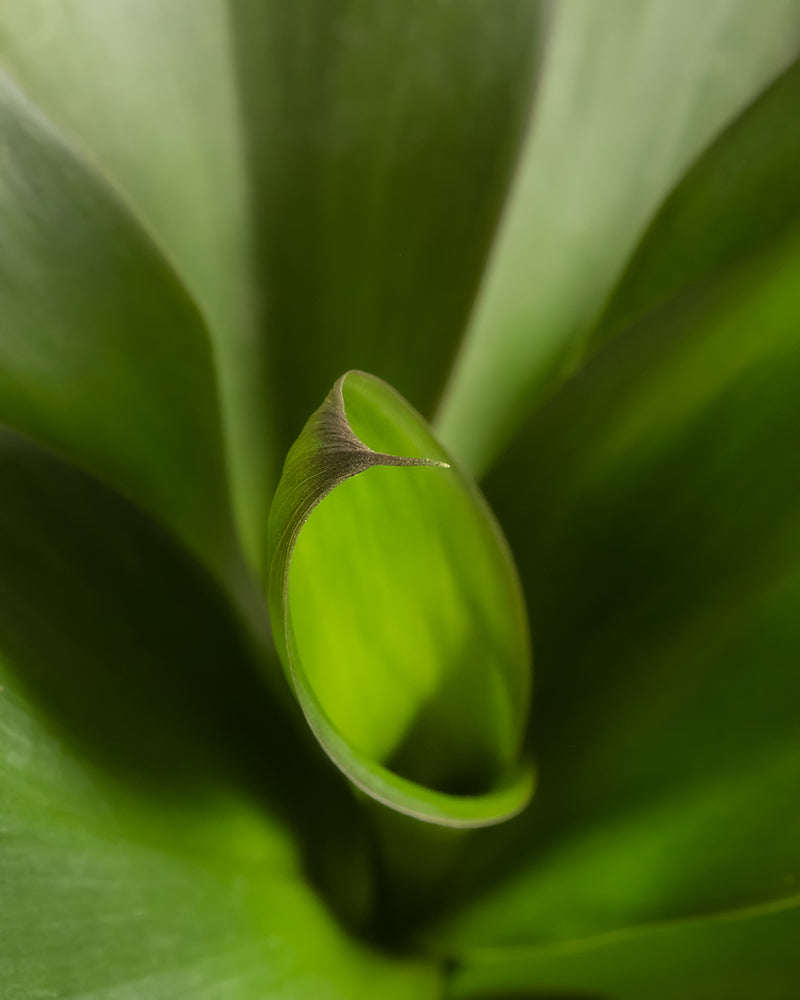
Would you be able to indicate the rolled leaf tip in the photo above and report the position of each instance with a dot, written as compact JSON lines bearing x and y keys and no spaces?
{"x":398,"y":615}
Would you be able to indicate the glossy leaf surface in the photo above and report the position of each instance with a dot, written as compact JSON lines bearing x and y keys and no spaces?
{"x":630,"y":94}
{"x":401,"y":622}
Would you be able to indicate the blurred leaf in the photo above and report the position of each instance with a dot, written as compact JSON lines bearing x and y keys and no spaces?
{"x":398,"y":612}
{"x":383,"y":135}
{"x":102,"y":355}
{"x":145,"y":849}
{"x":740,"y":196}
{"x":736,"y":958}
{"x":631,"y":93}
{"x":656,"y":524}
{"x":150,"y":89}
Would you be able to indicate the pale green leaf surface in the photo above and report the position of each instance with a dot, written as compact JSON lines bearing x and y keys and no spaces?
{"x":383,"y":135}
{"x":654,"y":517}
{"x":102,"y":355}
{"x":398,"y":612}
{"x":740,"y":196}
{"x":630,"y":93}
{"x":750,"y":955}
{"x":150,"y":89}
{"x":149,"y":846}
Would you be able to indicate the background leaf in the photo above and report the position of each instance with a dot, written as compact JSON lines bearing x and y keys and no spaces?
{"x":382,"y":136}
{"x":151,"y":91}
{"x":728,"y":959}
{"x":149,"y":843}
{"x":658,"y":541}
{"x":630,"y":94}
{"x":737,"y":199}
{"x":102,"y":354}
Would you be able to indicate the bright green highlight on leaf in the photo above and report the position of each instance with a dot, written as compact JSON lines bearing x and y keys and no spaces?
{"x":398,"y":612}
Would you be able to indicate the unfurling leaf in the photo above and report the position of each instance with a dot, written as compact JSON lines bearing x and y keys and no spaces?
{"x":398,"y":614}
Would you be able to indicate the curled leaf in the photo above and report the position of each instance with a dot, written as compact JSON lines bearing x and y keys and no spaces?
{"x":398,"y":614}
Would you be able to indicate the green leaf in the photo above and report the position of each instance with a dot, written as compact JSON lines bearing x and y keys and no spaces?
{"x":151,"y":90}
{"x":738,"y":957}
{"x":149,"y":846}
{"x":102,"y":355}
{"x":631,"y":92}
{"x":382,"y":138}
{"x":658,"y":535}
{"x":398,"y":613}
{"x":740,"y":196}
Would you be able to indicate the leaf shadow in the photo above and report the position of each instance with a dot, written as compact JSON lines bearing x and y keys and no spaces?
{"x":368,"y":129}
{"x":128,"y":652}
